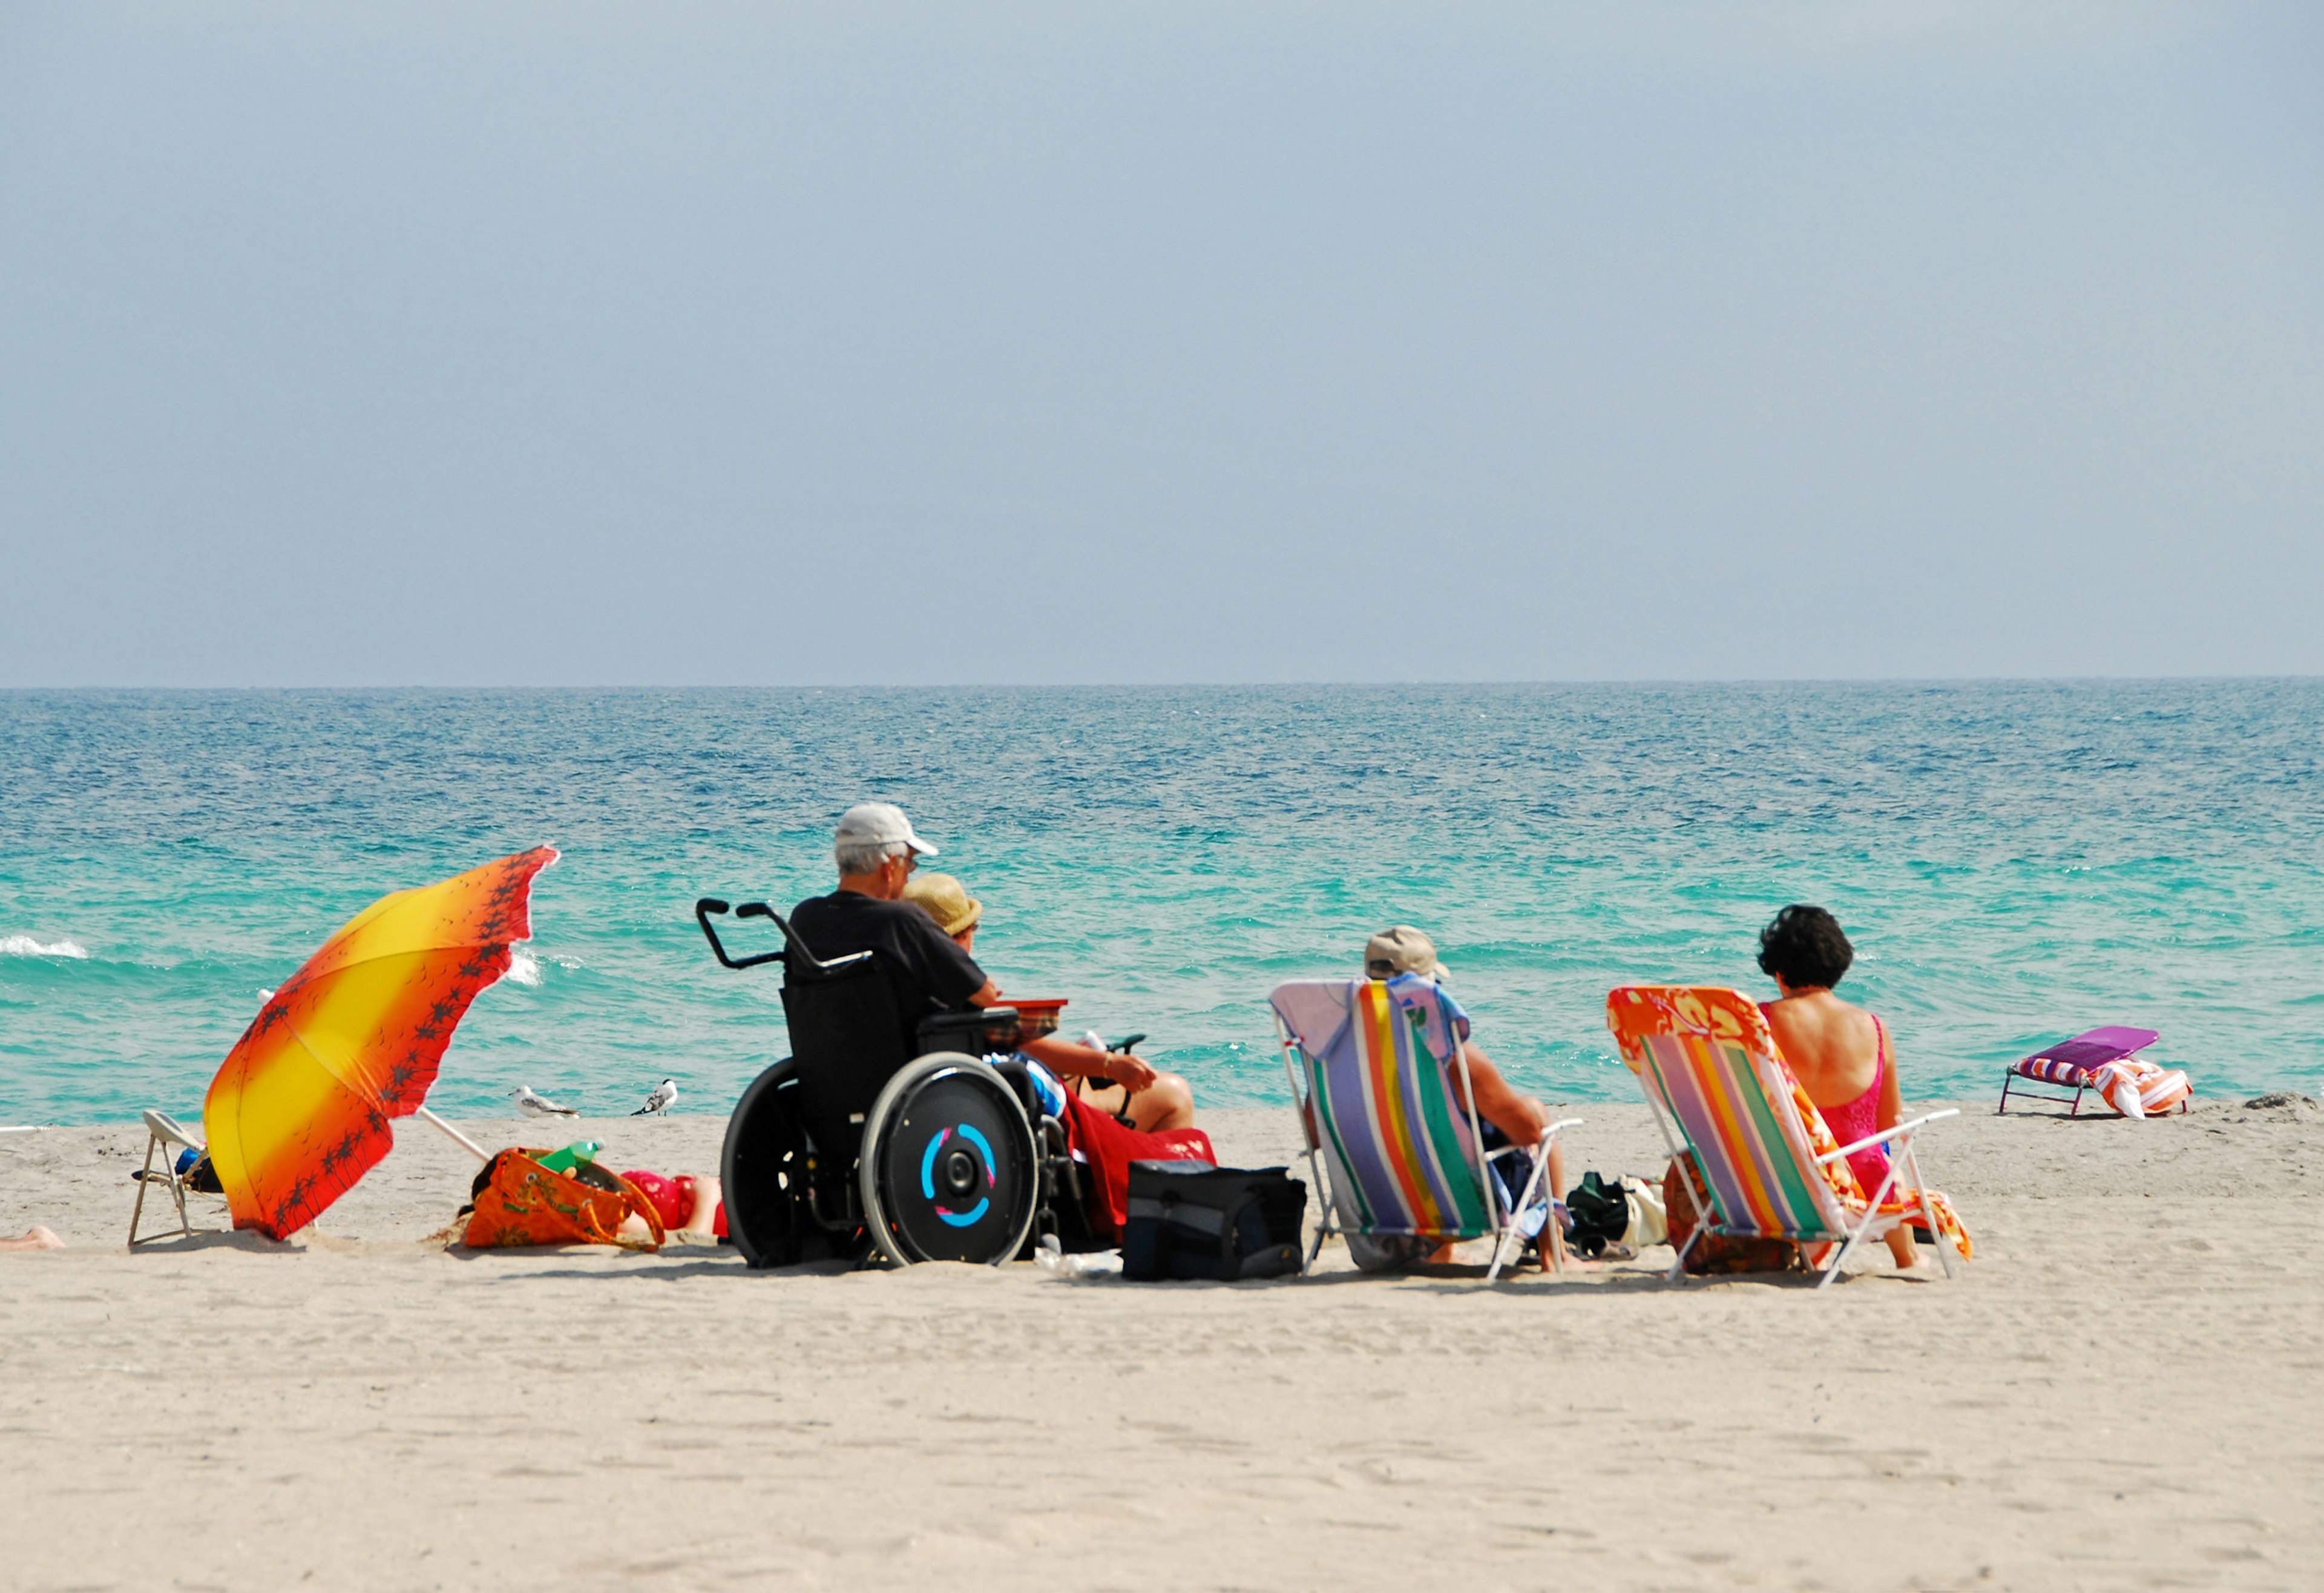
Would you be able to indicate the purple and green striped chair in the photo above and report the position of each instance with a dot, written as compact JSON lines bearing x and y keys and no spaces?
{"x":1710,"y":1068}
{"x":1393,"y":1154}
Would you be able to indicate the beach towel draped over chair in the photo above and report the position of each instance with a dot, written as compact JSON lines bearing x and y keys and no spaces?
{"x":1393,"y":1154}
{"x":1711,"y":1068}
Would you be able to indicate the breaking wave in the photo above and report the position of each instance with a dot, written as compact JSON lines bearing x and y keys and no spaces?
{"x":24,"y":946}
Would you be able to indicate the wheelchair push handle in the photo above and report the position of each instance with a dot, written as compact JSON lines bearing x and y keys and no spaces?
{"x":710,"y":906}
{"x":794,"y":954}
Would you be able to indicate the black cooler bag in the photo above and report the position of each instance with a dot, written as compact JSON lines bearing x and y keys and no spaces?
{"x":1189,"y":1220}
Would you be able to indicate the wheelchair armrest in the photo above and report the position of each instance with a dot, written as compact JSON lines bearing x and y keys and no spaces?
{"x":985,"y":1029}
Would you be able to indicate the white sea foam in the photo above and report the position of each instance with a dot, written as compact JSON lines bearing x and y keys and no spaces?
{"x":523,"y":966}
{"x":24,"y":946}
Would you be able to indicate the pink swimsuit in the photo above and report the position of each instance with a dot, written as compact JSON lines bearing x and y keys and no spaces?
{"x":1860,"y":1118}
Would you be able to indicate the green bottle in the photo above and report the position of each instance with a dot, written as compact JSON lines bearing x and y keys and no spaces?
{"x":563,"y":1160}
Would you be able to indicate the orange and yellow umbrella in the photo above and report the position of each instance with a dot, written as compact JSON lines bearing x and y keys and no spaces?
{"x":300,"y":1109}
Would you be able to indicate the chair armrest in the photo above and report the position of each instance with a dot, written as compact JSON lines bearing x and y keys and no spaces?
{"x":1848,"y":1150}
{"x":1536,"y":1147}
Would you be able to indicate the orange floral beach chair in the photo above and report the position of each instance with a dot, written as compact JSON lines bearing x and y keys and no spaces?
{"x":1718,"y":1084}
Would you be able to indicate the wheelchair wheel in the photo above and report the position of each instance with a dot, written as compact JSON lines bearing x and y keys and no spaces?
{"x":762,"y":1171}
{"x":949,"y":1169}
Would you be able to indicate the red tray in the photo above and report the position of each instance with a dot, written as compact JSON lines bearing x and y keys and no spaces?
{"x":1038,"y":1017}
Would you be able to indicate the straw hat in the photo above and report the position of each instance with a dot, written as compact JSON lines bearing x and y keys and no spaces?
{"x":946,"y":899}
{"x":1403,"y":950}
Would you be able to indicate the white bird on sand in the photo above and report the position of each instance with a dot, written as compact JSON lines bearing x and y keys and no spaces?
{"x":664,"y":1095}
{"x":534,"y":1106}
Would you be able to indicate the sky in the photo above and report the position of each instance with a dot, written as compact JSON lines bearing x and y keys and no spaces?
{"x":873,"y":343}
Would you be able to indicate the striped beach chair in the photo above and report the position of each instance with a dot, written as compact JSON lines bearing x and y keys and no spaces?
{"x":1392,"y":1153}
{"x":1717,"y":1082}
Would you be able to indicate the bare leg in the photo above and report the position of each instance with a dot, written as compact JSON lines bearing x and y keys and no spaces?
{"x":36,"y":1237}
{"x":1552,"y":1234}
{"x":1169,"y":1102}
{"x":705,"y":1215}
{"x":1900,"y":1245}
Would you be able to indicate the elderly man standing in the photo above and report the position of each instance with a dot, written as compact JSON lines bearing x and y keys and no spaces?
{"x":877,"y":849}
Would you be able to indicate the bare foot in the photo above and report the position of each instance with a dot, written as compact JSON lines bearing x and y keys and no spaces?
{"x":36,"y":1237}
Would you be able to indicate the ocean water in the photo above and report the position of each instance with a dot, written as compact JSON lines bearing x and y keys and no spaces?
{"x":2017,"y":862}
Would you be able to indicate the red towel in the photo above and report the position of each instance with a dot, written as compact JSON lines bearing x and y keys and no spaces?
{"x":1111,"y":1148}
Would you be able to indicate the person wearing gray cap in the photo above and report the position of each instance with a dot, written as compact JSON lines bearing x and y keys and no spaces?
{"x":876,"y":849}
{"x":1518,"y":1119}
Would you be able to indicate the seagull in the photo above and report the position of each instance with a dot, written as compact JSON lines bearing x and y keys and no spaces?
{"x":659,"y":1101}
{"x":534,"y":1106}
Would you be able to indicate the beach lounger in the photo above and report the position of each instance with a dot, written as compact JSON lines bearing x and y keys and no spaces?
{"x":1720,"y":1087}
{"x":2101,"y":1060}
{"x":164,"y":1134}
{"x":1391,"y":1153}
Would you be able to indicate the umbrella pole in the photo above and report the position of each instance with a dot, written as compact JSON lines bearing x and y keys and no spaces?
{"x":466,"y":1143}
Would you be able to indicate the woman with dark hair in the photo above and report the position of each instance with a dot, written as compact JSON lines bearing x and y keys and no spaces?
{"x":1839,"y":1053}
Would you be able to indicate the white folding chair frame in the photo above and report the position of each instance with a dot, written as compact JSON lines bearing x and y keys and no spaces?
{"x":1903,"y":1158}
{"x":1501,"y":1225}
{"x":164,"y":1133}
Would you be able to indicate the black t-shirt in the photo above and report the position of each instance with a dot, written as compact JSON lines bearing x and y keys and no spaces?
{"x":922,"y":958}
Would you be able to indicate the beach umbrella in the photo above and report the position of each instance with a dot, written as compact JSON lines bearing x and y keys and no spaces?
{"x":300,"y":1111}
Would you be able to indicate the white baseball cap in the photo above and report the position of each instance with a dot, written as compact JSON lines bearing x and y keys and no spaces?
{"x":878,"y":823}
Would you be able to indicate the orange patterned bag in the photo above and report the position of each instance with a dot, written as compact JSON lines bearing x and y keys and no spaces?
{"x":519,"y":1202}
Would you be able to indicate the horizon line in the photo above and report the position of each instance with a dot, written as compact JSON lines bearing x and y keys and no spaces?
{"x":993,"y":685}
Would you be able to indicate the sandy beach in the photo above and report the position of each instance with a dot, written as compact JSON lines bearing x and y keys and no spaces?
{"x":2122,"y":1392}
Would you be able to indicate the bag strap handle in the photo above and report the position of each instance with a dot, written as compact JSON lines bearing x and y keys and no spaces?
{"x":635,"y":1199}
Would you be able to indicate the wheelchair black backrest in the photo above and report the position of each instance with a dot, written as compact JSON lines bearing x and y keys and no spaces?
{"x":851,"y":1031}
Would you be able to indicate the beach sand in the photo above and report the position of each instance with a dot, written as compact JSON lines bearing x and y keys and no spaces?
{"x":2122,"y":1392}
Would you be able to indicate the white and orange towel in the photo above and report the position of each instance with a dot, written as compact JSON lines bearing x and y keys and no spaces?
{"x":2138,"y":1089}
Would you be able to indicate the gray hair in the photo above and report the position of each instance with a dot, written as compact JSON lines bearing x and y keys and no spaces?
{"x":864,"y":857}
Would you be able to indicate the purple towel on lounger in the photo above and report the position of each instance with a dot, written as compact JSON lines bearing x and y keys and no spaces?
{"x":2085,"y":1051}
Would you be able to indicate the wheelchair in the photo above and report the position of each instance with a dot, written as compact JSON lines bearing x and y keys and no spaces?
{"x":885,"y":1133}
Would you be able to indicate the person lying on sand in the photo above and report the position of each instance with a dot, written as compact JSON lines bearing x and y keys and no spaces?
{"x":1113,"y":1081}
{"x":1839,"y":1053}
{"x":1520,"y":1120}
{"x":687,"y":1205}
{"x":35,"y":1237}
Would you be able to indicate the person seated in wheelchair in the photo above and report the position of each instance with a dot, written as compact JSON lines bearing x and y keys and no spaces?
{"x":883,"y":1128}
{"x":1123,"y":1087}
{"x":876,"y":850}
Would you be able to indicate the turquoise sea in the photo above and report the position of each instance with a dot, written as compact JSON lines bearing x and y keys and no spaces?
{"x":2017,"y":862}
